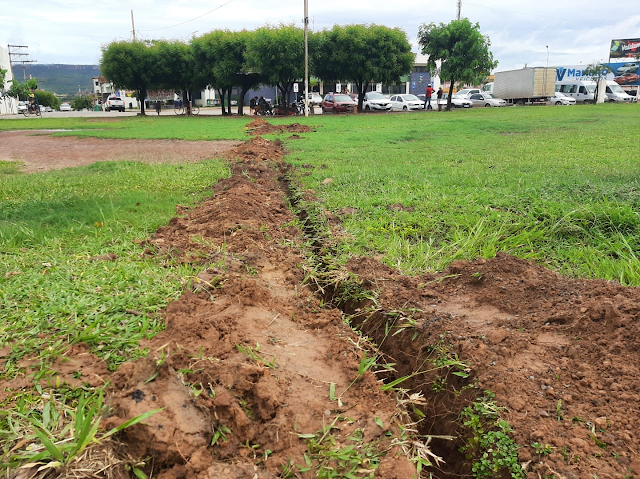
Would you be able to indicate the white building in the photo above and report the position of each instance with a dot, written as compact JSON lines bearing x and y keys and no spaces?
{"x":8,"y":105}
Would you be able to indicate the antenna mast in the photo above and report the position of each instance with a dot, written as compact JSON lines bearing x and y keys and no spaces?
{"x":459,"y":8}
{"x":133,"y":27}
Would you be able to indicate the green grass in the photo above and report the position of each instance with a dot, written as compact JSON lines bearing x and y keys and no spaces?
{"x":557,"y":185}
{"x":52,"y":224}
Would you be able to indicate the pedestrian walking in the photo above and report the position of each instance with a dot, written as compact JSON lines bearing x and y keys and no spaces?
{"x":439,"y":97}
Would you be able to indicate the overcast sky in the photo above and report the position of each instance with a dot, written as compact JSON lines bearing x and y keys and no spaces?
{"x":72,"y":31}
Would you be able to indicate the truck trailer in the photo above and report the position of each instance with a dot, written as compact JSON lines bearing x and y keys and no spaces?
{"x":525,"y":86}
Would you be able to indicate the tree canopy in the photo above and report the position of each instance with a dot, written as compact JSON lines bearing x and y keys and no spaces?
{"x":463,"y":52}
{"x":277,"y":54}
{"x":362,"y":54}
{"x":2,"y":77}
{"x":131,"y":65}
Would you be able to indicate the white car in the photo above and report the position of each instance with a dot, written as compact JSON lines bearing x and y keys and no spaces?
{"x":486,"y":99}
{"x":561,"y":99}
{"x":22,"y":106}
{"x":314,"y":98}
{"x":65,"y":107}
{"x":405,"y":102}
{"x":374,"y":100}
{"x":467,"y":92}
{"x":456,"y":101}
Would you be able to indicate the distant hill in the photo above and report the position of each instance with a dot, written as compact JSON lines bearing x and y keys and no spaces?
{"x":58,"y":78}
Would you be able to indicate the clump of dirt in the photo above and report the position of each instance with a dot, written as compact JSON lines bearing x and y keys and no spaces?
{"x":560,"y":354}
{"x":259,"y":126}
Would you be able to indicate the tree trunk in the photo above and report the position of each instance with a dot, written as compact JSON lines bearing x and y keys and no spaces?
{"x":222,"y":96}
{"x":229,"y":105}
{"x":243,"y":92}
{"x":450,"y":93}
{"x":142,"y":94}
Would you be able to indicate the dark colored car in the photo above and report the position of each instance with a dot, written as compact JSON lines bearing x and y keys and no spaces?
{"x":338,"y":102}
{"x":627,"y":79}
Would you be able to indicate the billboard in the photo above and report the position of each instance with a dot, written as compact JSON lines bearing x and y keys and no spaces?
{"x":629,"y":48}
{"x":624,"y":74}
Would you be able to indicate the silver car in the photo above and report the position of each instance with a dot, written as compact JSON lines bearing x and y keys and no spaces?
{"x":374,"y":100}
{"x":486,"y":99}
{"x":405,"y":102}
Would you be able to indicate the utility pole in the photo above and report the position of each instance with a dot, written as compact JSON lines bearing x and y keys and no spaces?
{"x":459,"y":8}
{"x":306,"y":58}
{"x":133,"y":27}
{"x":17,"y":51}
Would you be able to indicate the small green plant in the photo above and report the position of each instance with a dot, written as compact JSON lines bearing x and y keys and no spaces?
{"x":541,"y":450}
{"x":489,"y":445}
{"x":252,"y":354}
{"x":220,"y":434}
{"x":559,"y":411}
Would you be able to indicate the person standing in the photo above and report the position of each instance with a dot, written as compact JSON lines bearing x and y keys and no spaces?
{"x":427,"y":101}
{"x":439,"y":97}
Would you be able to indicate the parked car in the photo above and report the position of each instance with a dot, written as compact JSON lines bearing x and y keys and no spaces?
{"x":627,"y":78}
{"x":48,"y":109}
{"x":338,"y":102}
{"x":486,"y":99}
{"x":561,"y":99}
{"x":374,"y":100}
{"x":456,"y":101}
{"x":22,"y":106}
{"x":405,"y":102}
{"x":65,"y":107}
{"x":627,"y":68}
{"x":114,"y":103}
{"x":467,"y":92}
{"x":314,"y":98}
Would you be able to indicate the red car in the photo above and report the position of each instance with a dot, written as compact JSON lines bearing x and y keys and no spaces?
{"x":627,"y":79}
{"x":337,"y":102}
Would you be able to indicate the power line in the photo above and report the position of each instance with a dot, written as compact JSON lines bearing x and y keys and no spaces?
{"x":187,"y":21}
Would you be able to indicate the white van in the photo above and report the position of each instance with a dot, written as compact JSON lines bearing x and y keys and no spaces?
{"x":581,"y":90}
{"x":616,"y":94}
{"x":488,"y":88}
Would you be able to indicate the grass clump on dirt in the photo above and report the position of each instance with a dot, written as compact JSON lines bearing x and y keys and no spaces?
{"x":72,"y":264}
{"x":538,"y":183}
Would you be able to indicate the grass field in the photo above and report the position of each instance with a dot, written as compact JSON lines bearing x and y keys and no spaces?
{"x":558,"y":185}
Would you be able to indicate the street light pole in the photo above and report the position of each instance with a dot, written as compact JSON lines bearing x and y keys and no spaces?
{"x":306,"y":58}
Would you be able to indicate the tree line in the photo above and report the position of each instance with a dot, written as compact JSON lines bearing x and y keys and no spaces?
{"x":270,"y":55}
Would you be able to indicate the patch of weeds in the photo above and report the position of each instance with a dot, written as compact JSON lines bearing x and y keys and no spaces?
{"x":54,"y":429}
{"x":489,"y":444}
{"x":252,"y":354}
{"x":329,"y":459}
{"x":220,"y":434}
{"x":10,"y":167}
{"x":541,"y":450}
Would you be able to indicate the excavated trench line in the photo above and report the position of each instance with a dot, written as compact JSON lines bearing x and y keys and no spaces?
{"x":452,"y":392}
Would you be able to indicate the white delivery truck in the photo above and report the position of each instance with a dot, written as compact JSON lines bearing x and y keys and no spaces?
{"x":615,"y":94}
{"x":528,"y":85}
{"x":581,"y":90}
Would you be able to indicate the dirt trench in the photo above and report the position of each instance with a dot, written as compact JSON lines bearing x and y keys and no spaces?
{"x":253,"y":358}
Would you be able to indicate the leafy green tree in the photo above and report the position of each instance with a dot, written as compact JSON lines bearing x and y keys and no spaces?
{"x":46,"y":98}
{"x":221,"y":54}
{"x":176,"y":69}
{"x":24,"y":90}
{"x":462,"y":50}
{"x":131,"y":65}
{"x":3,"y":74}
{"x":362,"y":54}
{"x":81,"y":102}
{"x":596,"y":72}
{"x":277,"y":53}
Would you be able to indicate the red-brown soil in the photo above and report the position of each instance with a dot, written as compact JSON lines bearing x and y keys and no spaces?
{"x":560,"y":354}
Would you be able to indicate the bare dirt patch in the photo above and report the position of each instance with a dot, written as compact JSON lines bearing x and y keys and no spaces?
{"x":39,"y":151}
{"x":250,"y":353}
